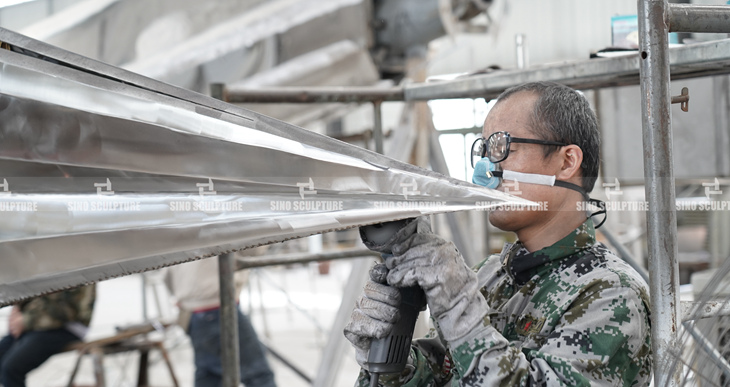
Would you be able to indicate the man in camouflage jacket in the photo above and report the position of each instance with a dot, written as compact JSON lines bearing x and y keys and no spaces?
{"x":41,"y":327}
{"x":553,"y":309}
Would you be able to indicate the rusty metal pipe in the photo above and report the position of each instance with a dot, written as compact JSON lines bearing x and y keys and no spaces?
{"x":661,"y":218}
{"x":699,"y":18}
{"x":312,"y":95}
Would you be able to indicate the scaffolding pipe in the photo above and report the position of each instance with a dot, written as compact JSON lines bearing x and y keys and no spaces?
{"x":659,"y":187}
{"x":228,"y":321}
{"x":288,"y":259}
{"x":708,"y":347}
{"x":378,"y":126}
{"x":310,"y":95}
{"x":699,"y":18}
{"x":695,"y":310}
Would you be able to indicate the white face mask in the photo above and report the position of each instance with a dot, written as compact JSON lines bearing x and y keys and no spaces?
{"x":486,"y":176}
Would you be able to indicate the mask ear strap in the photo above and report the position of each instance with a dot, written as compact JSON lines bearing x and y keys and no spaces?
{"x":598,"y":203}
{"x":574,"y":187}
{"x":602,"y":210}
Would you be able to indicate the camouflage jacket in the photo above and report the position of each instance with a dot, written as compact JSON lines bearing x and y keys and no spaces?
{"x":55,"y":310}
{"x":571,"y":314}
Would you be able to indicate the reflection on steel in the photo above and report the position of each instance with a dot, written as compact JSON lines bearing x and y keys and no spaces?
{"x":288,"y":259}
{"x":106,"y":173}
{"x":699,"y":18}
{"x":702,"y":309}
{"x":661,"y":217}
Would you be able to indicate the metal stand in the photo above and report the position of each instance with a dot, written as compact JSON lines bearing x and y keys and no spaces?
{"x":229,"y":322}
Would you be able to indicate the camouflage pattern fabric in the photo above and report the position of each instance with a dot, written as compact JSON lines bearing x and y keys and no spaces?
{"x":54,"y":310}
{"x":571,"y":314}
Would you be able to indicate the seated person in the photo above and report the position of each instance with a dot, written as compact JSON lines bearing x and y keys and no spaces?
{"x":42,"y":327}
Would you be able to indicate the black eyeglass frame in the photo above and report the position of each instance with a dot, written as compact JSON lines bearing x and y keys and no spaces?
{"x":510,"y":139}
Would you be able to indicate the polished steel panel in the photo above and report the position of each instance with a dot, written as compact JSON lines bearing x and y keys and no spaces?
{"x":105,"y":173}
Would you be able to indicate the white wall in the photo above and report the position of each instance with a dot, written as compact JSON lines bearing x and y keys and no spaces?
{"x":555,"y":30}
{"x":15,"y":17}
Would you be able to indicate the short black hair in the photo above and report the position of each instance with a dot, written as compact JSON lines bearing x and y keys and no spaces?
{"x":563,"y":114}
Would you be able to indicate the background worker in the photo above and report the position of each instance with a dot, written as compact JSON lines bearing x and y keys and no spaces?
{"x":42,"y":327}
{"x":195,"y":286}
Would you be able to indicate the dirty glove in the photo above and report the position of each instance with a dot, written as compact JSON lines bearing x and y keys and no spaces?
{"x":377,"y":237}
{"x":451,"y":288}
{"x":373,"y":317}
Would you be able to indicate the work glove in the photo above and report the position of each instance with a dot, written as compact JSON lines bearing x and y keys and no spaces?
{"x":374,"y":315}
{"x":422,"y":258}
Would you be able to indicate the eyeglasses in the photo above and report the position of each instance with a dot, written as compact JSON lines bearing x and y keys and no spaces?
{"x":496,"y":147}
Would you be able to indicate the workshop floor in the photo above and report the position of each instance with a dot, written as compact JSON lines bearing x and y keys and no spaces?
{"x":295,"y":320}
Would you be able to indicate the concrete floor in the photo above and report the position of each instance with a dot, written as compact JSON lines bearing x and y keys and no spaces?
{"x":295,"y":318}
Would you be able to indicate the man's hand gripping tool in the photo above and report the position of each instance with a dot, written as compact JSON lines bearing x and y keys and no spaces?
{"x":390,"y":354}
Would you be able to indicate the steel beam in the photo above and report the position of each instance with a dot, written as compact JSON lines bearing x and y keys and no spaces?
{"x":146,"y":175}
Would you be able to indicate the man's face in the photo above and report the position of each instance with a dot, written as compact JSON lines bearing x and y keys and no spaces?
{"x":512,"y":116}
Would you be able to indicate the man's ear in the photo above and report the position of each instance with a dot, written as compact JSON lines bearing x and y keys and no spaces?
{"x":571,"y":157}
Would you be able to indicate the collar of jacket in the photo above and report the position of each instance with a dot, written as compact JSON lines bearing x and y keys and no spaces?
{"x":523,"y":265}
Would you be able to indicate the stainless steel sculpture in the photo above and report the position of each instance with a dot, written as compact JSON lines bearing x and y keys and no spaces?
{"x":105,"y":173}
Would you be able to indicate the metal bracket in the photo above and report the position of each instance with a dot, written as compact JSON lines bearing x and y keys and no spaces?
{"x":682,"y":99}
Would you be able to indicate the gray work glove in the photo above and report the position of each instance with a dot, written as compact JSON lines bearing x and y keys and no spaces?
{"x":407,"y":227}
{"x":451,"y":288}
{"x":373,"y":317}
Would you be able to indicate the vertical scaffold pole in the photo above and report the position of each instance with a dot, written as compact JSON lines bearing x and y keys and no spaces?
{"x":229,"y":321}
{"x":659,"y":186}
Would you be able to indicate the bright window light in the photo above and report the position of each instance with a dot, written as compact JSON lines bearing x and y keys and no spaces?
{"x":458,"y":113}
{"x":450,"y":114}
{"x":456,"y":148}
